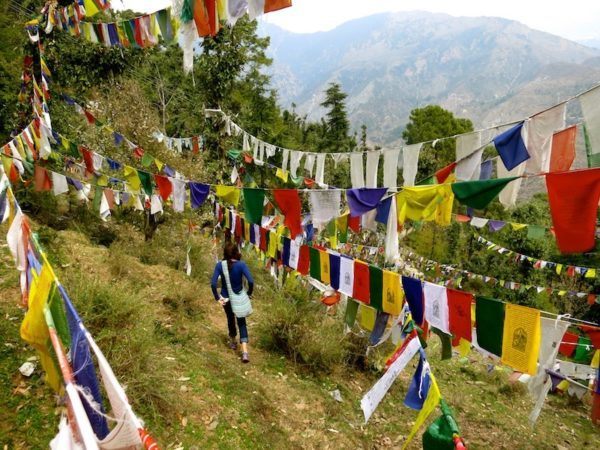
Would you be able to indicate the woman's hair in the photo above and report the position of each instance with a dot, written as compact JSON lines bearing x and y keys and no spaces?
{"x":231,"y":252}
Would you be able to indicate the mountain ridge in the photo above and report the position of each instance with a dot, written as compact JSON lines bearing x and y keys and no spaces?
{"x":390,"y":63}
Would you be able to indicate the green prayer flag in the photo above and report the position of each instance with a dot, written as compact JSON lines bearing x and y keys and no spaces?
{"x":56,"y":307}
{"x":489,"y":321}
{"x":254,"y":200}
{"x":376,"y":287}
{"x":129,"y":32}
{"x":478,"y":194}
{"x":147,"y":160}
{"x":351,"y":311}
{"x":234,"y":154}
{"x":535,"y":232}
{"x":164,"y":22}
{"x":446,"y":342}
{"x":440,"y":434}
{"x":73,"y":150}
{"x":297,"y":180}
{"x":584,"y":351}
{"x":146,"y":180}
{"x":426,"y":181}
{"x":97,"y":198}
{"x":315,"y":263}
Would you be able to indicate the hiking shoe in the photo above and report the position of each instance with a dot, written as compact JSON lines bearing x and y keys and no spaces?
{"x":233,"y":344}
{"x":245,"y":358}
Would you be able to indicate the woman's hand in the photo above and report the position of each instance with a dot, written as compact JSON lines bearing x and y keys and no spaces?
{"x":223,"y":300}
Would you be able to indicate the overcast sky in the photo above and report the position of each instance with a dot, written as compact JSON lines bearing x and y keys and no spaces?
{"x":574,"y":19}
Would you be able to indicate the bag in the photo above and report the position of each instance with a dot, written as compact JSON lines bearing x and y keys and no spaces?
{"x":240,"y":303}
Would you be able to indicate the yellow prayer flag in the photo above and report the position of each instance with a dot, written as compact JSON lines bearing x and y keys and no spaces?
{"x":517,"y":226}
{"x":393,"y":296}
{"x":34,"y":329}
{"x":366,"y":317}
{"x":102,"y":180}
{"x":521,"y":338}
{"x":428,"y":203}
{"x":159,"y":164}
{"x":247,"y":231}
{"x":325,"y":270}
{"x":133,"y":180}
{"x":595,"y":360}
{"x":591,"y":273}
{"x":433,"y":399}
{"x":272,"y":248}
{"x":282,"y":174}
{"x":90,"y":8}
{"x":464,"y":347}
{"x":230,"y":194}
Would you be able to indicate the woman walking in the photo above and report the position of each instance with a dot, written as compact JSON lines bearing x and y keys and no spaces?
{"x":234,"y":299}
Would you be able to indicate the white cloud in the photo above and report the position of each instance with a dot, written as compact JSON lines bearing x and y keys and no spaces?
{"x":577,"y":19}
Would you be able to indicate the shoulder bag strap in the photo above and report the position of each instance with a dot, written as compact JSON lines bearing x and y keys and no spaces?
{"x":226,"y":276}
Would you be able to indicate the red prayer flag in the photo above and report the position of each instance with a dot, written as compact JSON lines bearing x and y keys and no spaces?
{"x":459,"y":307}
{"x":573,"y":198}
{"x":288,"y":203}
{"x":201,"y":18}
{"x":361,"y":290}
{"x":88,"y":159}
{"x":263,"y":239}
{"x":138,"y":152}
{"x":563,"y":149}
{"x":569,"y":342}
{"x":110,"y":198}
{"x":304,"y":260}
{"x":164,"y":186}
{"x":462,"y":218}
{"x":594,"y":335}
{"x":275,"y":5}
{"x":442,"y":174}
{"x":195,"y":145}
{"x":354,"y":223}
{"x":248,"y":158}
{"x":309,"y":182}
{"x":90,"y":117}
{"x":41,"y":179}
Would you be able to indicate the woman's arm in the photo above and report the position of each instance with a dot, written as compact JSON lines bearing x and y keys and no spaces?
{"x":215,"y":278}
{"x":246,"y":273}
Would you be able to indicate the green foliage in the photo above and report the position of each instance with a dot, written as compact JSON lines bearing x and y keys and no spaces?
{"x":429,"y":123}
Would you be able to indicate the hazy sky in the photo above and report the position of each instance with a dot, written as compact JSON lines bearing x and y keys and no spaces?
{"x":575,"y":19}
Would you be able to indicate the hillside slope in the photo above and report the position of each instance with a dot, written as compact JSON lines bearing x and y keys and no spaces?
{"x":165,"y":338}
{"x":485,"y":68}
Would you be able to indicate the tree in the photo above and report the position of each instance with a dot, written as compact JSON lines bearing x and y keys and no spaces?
{"x":337,"y":124}
{"x":430,"y":123}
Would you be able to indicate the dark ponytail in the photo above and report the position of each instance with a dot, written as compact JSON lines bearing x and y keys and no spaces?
{"x":231,"y":252}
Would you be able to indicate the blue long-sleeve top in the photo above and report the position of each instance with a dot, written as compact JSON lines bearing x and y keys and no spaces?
{"x":237,"y":272}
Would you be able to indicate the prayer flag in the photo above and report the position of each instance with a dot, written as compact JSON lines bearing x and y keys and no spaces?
{"x":364,"y":200}
{"x":413,"y":290}
{"x":521,"y":338}
{"x":537,"y":133}
{"x":304,"y":260}
{"x":254,"y":200}
{"x":361,"y":288}
{"x":459,"y":309}
{"x":346,"y":276}
{"x":198,"y":193}
{"x":563,"y":149}
{"x":443,"y":174}
{"x":431,"y":401}
{"x":165,"y":188}
{"x":573,"y":198}
{"x":366,"y":317}
{"x":479,"y":193}
{"x":325,"y":270}
{"x":511,"y":147}
{"x":229,"y":194}
{"x":41,"y":179}
{"x":146,"y":182}
{"x":288,"y":203}
{"x":420,"y":383}
{"x":436,"y":306}
{"x":489,"y":321}
{"x":428,"y":203}
{"x":351,"y":311}
{"x":392,"y":294}
{"x":315,"y":263}
{"x":375,"y":287}
{"x":334,"y":267}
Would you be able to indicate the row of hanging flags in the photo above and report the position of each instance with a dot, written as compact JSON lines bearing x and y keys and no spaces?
{"x":65,"y":347}
{"x":520,"y":337}
{"x":184,"y":22}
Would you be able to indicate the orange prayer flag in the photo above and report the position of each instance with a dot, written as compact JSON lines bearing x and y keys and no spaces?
{"x":563,"y":149}
{"x":274,"y":5}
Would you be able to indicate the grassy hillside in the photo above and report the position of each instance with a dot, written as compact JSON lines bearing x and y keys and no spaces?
{"x":166,"y":340}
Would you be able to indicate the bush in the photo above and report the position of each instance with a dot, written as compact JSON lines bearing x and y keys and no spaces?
{"x":295,"y":325}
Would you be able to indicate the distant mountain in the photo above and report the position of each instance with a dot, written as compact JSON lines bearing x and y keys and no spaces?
{"x":487,"y":69}
{"x":594,"y":42}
